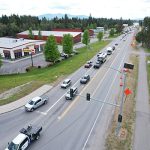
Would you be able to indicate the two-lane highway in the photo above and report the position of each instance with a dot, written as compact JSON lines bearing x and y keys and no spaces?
{"x":70,"y":125}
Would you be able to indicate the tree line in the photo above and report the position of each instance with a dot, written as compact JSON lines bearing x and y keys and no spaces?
{"x":51,"y":51}
{"x":11,"y":25}
{"x":144,"y":35}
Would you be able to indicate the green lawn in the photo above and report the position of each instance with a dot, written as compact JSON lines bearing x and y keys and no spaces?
{"x":148,"y":72}
{"x":38,"y":77}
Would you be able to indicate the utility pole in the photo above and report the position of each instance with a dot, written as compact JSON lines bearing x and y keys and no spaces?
{"x":31,"y":59}
{"x":121,"y":105}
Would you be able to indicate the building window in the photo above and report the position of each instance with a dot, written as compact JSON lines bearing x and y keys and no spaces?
{"x":26,"y":53}
{"x":18,"y":55}
{"x":7,"y":55}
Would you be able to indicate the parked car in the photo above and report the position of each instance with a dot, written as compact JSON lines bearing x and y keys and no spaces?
{"x":75,"y":52}
{"x":64,"y":55}
{"x":66,"y":83}
{"x":68,"y":96}
{"x":116,"y":44}
{"x":97,"y":65}
{"x":88,"y":64}
{"x":35,"y":103}
{"x":85,"y":79}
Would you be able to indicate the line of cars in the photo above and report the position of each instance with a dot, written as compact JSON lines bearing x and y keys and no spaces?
{"x":101,"y":58}
{"x":27,"y":135}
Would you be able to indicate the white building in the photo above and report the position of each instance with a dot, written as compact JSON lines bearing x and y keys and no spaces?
{"x":11,"y":48}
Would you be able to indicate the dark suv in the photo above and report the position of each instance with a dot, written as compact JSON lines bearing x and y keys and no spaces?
{"x":68,"y":96}
{"x":85,"y":79}
{"x":97,"y":65}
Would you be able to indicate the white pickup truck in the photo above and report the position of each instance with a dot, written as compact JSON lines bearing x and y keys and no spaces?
{"x":36,"y":102}
{"x":25,"y":138}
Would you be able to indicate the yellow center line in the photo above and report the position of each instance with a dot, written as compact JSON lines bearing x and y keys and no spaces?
{"x":76,"y":99}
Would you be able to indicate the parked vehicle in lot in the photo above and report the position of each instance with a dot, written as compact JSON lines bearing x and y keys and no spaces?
{"x":102,"y":57}
{"x":35,"y":103}
{"x":97,"y":65}
{"x":64,"y":55}
{"x":85,"y":79}
{"x":25,"y":138}
{"x":66,"y":83}
{"x":75,"y":51}
{"x":88,"y":64}
{"x":68,"y":96}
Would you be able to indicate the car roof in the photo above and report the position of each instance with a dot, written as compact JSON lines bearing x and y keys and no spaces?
{"x":109,"y":48}
{"x":36,"y":98}
{"x":74,"y":88}
{"x":66,"y":80}
{"x":20,"y":137}
{"x":86,"y":75}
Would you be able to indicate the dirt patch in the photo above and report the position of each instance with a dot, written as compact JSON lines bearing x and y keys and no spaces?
{"x":13,"y":91}
{"x":123,"y":141}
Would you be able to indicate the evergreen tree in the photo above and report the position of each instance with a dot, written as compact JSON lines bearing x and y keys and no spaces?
{"x":51,"y":52}
{"x":112,"y":32}
{"x":30,"y":35}
{"x":100,"y":36}
{"x":67,"y":43}
{"x":86,"y":38}
{"x":39,"y":35}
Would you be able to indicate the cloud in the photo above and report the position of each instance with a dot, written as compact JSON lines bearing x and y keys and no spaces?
{"x":98,"y":8}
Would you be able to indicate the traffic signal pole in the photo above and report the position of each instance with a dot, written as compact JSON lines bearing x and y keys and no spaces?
{"x":121,"y":106}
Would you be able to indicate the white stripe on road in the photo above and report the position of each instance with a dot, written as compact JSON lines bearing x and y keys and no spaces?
{"x":102,"y":107}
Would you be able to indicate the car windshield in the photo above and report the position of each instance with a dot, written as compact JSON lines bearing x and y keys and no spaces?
{"x":13,"y":146}
{"x":64,"y":82}
{"x":31,"y":102}
{"x":85,"y":77}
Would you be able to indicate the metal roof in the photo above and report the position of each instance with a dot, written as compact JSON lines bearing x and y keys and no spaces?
{"x":10,"y":43}
{"x":48,"y":33}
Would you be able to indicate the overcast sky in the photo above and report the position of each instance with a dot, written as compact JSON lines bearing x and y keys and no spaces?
{"x":97,"y":8}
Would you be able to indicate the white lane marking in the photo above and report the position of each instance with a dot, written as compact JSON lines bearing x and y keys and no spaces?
{"x":40,"y":112}
{"x":72,"y":86}
{"x":102,"y":106}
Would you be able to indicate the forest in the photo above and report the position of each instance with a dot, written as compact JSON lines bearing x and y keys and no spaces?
{"x":11,"y":25}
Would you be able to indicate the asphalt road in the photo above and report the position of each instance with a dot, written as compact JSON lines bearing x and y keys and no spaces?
{"x":76,"y":124}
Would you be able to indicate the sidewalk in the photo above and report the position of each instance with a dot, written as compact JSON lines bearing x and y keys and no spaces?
{"x":21,"y":102}
{"x":142,"y":124}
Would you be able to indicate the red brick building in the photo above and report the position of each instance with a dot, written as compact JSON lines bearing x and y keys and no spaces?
{"x":58,"y":35}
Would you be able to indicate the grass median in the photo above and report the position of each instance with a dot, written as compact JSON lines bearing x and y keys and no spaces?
{"x":148,"y":73}
{"x":48,"y":75}
{"x":125,"y":138}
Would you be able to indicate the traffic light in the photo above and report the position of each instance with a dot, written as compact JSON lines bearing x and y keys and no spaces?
{"x":119,"y":118}
{"x":71,"y":92}
{"x":88,"y":96}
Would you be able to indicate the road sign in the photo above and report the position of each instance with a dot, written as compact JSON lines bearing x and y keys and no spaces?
{"x":26,"y":50}
{"x":127,"y":92}
{"x":128,"y":66}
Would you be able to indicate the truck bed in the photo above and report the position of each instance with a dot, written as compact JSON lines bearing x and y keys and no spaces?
{"x":31,"y":130}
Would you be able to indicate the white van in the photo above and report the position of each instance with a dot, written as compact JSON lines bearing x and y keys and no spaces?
{"x":109,"y":50}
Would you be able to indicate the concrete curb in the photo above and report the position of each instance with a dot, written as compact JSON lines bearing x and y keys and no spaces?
{"x":21,"y":102}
